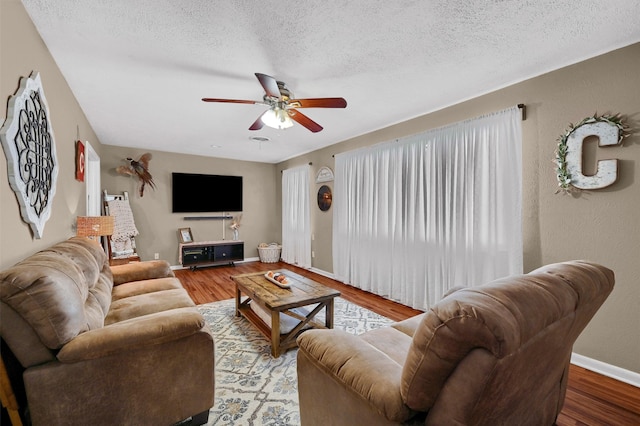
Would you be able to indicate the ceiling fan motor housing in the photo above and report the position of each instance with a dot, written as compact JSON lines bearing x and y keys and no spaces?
{"x":284,"y":91}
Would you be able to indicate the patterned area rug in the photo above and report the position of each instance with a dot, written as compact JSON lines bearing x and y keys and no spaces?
{"x":252,"y":388}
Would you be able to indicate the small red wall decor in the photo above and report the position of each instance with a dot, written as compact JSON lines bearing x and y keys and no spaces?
{"x":80,"y":161}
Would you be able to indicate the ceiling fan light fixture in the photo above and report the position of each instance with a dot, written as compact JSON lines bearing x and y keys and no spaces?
{"x":283,"y":107}
{"x":277,"y":118}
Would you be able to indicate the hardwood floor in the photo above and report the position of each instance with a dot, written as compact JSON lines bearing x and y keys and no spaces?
{"x":213,"y":284}
{"x":592,"y":399}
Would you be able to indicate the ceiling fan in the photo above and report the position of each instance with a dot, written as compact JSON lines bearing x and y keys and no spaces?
{"x":282,"y":108}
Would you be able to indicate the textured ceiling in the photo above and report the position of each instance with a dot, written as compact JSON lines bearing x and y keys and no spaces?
{"x":139,"y":68}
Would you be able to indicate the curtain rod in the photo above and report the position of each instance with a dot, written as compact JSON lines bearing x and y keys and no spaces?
{"x":523,"y":107}
{"x":310,"y":163}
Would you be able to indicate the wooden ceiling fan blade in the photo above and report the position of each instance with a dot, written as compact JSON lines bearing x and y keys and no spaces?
{"x":304,"y":120}
{"x":230,"y":101}
{"x":258,"y":124}
{"x":318,"y":103}
{"x":269,"y":84}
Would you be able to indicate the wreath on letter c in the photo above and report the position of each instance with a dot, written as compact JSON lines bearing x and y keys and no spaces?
{"x":562,"y":172}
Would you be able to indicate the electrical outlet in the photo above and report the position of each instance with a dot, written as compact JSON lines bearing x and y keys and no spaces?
{"x":156,"y":256}
{"x":313,"y":253}
{"x":313,"y":237}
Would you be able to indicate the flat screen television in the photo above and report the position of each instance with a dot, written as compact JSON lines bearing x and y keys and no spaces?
{"x":200,"y":193}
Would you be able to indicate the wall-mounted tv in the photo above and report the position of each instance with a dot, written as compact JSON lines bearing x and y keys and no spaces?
{"x":200,"y":193}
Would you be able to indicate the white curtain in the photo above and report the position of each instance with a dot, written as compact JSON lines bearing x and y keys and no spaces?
{"x":415,"y":217}
{"x":296,"y":227}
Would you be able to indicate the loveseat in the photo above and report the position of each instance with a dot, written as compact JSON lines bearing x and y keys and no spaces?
{"x":495,"y":354}
{"x":101,"y":345}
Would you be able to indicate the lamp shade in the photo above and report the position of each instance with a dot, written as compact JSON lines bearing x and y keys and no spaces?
{"x":91,"y":226}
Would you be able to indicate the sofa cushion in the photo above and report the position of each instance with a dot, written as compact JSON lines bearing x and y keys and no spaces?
{"x":409,"y":325}
{"x":153,"y":329}
{"x":145,"y":286}
{"x":138,"y":271}
{"x":147,"y":303}
{"x":393,"y":343}
{"x":60,"y":292}
{"x":356,"y":369}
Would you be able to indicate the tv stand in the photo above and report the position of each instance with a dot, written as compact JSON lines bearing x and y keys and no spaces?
{"x":211,"y":253}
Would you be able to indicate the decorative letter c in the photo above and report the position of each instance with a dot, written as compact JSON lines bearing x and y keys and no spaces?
{"x":607,"y":170}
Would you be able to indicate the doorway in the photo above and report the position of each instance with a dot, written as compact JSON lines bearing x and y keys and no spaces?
{"x":92,"y":181}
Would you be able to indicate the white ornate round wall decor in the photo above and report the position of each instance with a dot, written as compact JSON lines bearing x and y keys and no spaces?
{"x":610,"y":130}
{"x":29,"y":146}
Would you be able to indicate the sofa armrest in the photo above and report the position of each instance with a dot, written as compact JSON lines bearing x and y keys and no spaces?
{"x":358,"y":366}
{"x":137,"y":271}
{"x":147,"y":330}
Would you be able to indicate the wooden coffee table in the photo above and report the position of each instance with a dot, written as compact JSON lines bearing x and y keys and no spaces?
{"x":277,"y":300}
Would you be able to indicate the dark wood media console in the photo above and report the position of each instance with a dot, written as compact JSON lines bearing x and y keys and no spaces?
{"x":211,"y":253}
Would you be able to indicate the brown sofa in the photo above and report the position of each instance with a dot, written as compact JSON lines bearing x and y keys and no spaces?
{"x":102,"y":345}
{"x":496,"y":354}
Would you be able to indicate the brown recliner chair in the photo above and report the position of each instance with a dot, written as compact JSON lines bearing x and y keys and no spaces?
{"x":105,"y":346}
{"x":496,"y":354}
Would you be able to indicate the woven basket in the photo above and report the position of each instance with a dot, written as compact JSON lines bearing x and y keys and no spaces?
{"x":269,"y":254}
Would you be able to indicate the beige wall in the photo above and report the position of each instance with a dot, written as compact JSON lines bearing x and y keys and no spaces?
{"x":23,"y":51}
{"x":602,"y":226}
{"x":152,"y":213}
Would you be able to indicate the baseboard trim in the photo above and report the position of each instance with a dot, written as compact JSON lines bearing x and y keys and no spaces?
{"x":323,"y":273}
{"x":608,"y":370}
